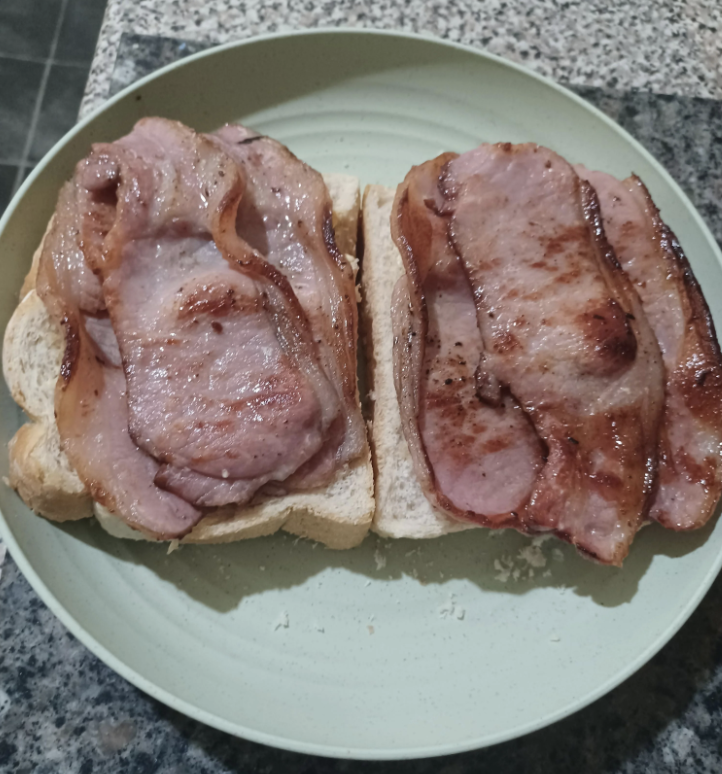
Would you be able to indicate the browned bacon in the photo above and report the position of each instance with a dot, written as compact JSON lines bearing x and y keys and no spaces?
{"x":198,"y":369}
{"x":690,"y":451}
{"x":224,"y":386}
{"x":285,"y":214}
{"x":476,"y":461}
{"x":90,"y":400}
{"x":564,"y":331}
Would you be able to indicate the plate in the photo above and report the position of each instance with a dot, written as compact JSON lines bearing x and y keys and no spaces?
{"x":396,"y":649}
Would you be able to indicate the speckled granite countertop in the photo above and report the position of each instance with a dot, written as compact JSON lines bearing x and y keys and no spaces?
{"x":667,"y":46}
{"x":656,"y":67}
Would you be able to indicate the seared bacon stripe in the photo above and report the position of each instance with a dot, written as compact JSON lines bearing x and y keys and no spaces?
{"x":690,"y":446}
{"x":223,"y":380}
{"x":475,"y":461}
{"x":208,"y":368}
{"x":90,"y":399}
{"x":285,"y":215}
{"x":564,"y":331}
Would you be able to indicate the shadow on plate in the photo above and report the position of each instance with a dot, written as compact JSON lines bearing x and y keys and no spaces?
{"x":502,"y":562}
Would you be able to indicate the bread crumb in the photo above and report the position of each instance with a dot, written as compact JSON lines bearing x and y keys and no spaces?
{"x":173,"y":546}
{"x":451,"y":609}
{"x":371,"y":629}
{"x":282,"y":622}
{"x":380,"y":559}
{"x":261,"y":567}
{"x":6,"y":481}
{"x":527,"y":561}
{"x":533,"y":556}
{"x":503,"y":568}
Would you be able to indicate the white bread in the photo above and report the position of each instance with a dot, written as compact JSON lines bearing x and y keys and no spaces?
{"x":402,"y":510}
{"x":338,"y":515}
{"x":39,"y":470}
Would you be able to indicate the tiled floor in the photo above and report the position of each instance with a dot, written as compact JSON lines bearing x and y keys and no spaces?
{"x":46,"y":47}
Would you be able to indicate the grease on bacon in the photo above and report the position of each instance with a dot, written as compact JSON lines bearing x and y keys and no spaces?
{"x":690,"y":444}
{"x":216,"y":391}
{"x":474,"y":460}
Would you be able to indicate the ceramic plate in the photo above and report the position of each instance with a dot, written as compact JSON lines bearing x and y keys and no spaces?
{"x":395,"y":649}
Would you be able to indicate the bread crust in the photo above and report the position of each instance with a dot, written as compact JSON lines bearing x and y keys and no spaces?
{"x":40,"y":477}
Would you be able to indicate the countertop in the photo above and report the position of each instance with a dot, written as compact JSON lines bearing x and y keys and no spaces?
{"x":656,"y":68}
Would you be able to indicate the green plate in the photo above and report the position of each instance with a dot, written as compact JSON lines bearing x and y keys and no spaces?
{"x":395,"y":649}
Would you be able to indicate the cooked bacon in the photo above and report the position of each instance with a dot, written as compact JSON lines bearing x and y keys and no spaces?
{"x":285,"y":214}
{"x":97,"y":179}
{"x":223,"y":380}
{"x":64,"y":278}
{"x":564,"y":331}
{"x":90,"y":398}
{"x":690,"y":451}
{"x":475,"y":461}
{"x":94,"y":431}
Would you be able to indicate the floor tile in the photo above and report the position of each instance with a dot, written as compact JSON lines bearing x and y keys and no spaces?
{"x":80,"y":29}
{"x":27,"y":27}
{"x":59,"y":110}
{"x":7,"y":181}
{"x":19,"y":84}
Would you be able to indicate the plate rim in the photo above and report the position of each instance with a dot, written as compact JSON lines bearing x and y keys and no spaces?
{"x":280,"y":742}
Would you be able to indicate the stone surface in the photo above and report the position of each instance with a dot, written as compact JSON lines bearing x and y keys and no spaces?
{"x":668,"y":46}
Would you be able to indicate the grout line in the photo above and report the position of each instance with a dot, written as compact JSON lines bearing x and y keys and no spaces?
{"x":46,"y":60}
{"x":39,"y":99}
{"x":21,"y":58}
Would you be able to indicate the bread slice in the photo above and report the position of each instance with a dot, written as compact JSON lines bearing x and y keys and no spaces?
{"x":338,"y":515}
{"x":402,"y":510}
{"x":39,"y":470}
